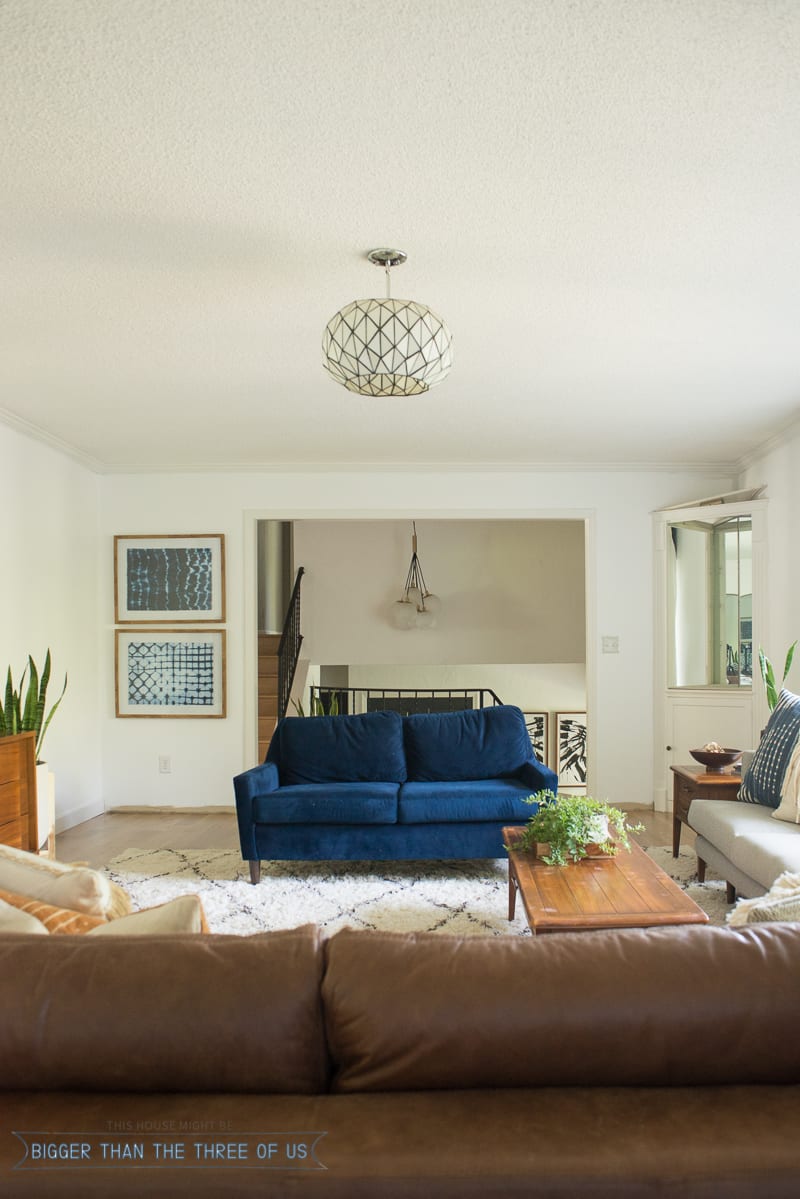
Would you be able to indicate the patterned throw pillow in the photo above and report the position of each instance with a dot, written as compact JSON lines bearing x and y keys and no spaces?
{"x":763,"y":781}
{"x":55,"y":920}
{"x":13,"y":920}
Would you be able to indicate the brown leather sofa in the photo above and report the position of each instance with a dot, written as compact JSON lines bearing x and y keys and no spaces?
{"x":629,"y":1063}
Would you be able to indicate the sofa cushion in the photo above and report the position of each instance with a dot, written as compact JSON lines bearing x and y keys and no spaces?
{"x":641,"y":1007}
{"x":455,"y":746}
{"x":471,"y":799}
{"x":333,"y":803}
{"x":342,"y":749}
{"x":163,"y":1014}
{"x":763,"y":780}
{"x":760,"y":847}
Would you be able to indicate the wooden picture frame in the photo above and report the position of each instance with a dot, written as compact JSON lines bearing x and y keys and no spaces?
{"x":167,"y":578}
{"x":537,"y":724}
{"x":571,"y":750}
{"x":170,"y":673}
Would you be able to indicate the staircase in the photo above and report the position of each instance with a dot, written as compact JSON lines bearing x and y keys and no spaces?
{"x":267,"y":689}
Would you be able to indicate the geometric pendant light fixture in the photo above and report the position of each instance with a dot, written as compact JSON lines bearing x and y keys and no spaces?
{"x":417,"y":608}
{"x":387,"y":347}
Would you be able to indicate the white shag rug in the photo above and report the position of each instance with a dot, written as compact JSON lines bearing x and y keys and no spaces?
{"x":462,"y":897}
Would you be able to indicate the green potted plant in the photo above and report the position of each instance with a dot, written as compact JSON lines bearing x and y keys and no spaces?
{"x":732,"y":665}
{"x":28,"y":715}
{"x":768,"y":674}
{"x":569,"y":824}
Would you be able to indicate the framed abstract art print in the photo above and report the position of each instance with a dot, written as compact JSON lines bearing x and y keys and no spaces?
{"x":165,"y":579}
{"x":537,"y":726}
{"x":571,"y":750}
{"x":170,"y":672}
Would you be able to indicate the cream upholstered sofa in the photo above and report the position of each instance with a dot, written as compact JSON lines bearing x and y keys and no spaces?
{"x":753,"y":840}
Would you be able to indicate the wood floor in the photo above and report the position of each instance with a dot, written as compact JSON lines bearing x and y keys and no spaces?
{"x":99,"y":840}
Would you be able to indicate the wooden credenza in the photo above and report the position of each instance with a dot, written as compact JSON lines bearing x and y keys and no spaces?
{"x":18,"y":818}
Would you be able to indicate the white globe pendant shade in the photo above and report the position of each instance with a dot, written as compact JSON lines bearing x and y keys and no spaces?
{"x":403,"y":614}
{"x":432,"y":604}
{"x":387,"y":347}
{"x":424,"y":619}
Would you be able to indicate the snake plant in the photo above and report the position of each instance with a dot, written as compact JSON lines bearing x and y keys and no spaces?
{"x":768,"y":674}
{"x":18,"y":715}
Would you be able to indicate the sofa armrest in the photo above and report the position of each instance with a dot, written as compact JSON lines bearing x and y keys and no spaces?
{"x":538,"y":776}
{"x":259,"y":780}
{"x":247,"y":787}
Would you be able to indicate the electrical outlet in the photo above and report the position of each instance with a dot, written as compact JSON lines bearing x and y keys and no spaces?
{"x":164,"y":764}
{"x":610,"y":645}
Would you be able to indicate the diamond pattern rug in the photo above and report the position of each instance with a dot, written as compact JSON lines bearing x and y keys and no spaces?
{"x":463,"y":897}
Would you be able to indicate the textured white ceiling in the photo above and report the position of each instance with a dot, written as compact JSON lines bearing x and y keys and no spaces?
{"x":600,"y":196}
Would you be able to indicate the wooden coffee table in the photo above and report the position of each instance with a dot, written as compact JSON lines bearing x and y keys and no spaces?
{"x":626,"y":891}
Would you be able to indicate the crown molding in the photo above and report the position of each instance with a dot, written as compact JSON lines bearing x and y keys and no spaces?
{"x":99,"y":467}
{"x":291,"y":468}
{"x":37,"y":433}
{"x":787,"y":433}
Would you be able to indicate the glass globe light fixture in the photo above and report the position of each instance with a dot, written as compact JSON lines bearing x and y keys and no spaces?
{"x":417,"y":607}
{"x":387,"y":347}
{"x":404,"y":614}
{"x":432,"y":603}
{"x":424,"y":619}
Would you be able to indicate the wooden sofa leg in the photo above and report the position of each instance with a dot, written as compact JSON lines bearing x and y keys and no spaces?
{"x":255,"y":872}
{"x":701,"y":870}
{"x":730,"y":893}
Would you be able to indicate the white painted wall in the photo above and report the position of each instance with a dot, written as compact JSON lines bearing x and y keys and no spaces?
{"x":534,"y":687}
{"x":779,"y":468}
{"x":511,"y":591}
{"x":206,"y":753}
{"x":49,"y":598}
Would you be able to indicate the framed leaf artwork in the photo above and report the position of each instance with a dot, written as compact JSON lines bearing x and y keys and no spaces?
{"x":571,"y":750}
{"x":537,"y":724}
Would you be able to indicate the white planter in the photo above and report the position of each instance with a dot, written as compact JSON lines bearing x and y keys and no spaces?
{"x":46,"y":808}
{"x":597,"y":828}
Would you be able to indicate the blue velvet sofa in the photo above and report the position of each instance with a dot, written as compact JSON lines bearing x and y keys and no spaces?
{"x":386,"y":787}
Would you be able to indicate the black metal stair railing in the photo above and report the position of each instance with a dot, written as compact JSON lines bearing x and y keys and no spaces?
{"x":289,"y":646}
{"x":405,"y":700}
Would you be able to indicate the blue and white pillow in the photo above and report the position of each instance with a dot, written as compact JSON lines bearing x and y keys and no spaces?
{"x":763,"y":780}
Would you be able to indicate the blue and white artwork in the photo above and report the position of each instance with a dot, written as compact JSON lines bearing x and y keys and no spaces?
{"x":173,"y":674}
{"x":170,"y":673}
{"x":164,"y":579}
{"x":169,"y":579}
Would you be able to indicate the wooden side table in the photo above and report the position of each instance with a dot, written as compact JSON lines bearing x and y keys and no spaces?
{"x":695,"y":782}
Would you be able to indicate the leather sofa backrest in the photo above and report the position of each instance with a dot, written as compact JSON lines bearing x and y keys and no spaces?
{"x":677,"y":1006}
{"x":214,"y":1014}
{"x":340,"y":749}
{"x":483,"y":743}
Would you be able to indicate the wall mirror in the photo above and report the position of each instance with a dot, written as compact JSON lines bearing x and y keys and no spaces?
{"x":710,"y":602}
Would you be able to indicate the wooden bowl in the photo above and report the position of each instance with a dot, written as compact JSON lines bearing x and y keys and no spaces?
{"x":716,"y":762}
